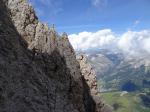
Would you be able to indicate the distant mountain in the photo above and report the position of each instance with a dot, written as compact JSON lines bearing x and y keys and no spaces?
{"x":115,"y":71}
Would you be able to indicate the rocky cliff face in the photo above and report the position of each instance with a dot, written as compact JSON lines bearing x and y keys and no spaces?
{"x":89,"y":77}
{"x":38,"y":68}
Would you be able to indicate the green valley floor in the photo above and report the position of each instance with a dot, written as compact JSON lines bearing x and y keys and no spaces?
{"x":126,"y":102}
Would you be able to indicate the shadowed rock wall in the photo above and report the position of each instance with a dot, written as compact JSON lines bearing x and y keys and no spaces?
{"x":38,"y":68}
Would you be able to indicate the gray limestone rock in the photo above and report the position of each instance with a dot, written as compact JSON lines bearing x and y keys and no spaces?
{"x":90,"y":86}
{"x":38,"y":68}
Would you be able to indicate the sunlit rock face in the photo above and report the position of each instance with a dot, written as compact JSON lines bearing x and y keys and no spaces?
{"x":89,"y":76}
{"x":38,"y":68}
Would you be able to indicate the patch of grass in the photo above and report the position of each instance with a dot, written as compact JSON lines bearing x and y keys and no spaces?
{"x":130,"y":102}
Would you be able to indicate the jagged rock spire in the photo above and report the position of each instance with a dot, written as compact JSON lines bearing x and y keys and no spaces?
{"x":52,"y":28}
{"x":65,"y":35}
{"x":48,"y":82}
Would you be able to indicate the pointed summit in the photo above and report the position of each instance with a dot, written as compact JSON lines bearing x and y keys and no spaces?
{"x":64,"y":35}
{"x":52,"y":28}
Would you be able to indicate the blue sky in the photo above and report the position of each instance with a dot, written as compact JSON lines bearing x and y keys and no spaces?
{"x":74,"y":16}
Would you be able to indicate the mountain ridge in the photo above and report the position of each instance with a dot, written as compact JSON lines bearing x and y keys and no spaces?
{"x":114,"y":70}
{"x":39,"y":71}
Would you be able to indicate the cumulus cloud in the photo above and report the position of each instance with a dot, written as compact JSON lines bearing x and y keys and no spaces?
{"x":135,"y":43}
{"x":130,"y":42}
{"x":87,"y":40}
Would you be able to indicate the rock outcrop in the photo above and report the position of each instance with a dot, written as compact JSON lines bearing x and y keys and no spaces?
{"x":38,"y":68}
{"x":89,"y":77}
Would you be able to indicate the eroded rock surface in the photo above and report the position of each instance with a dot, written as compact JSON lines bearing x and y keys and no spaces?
{"x":90,"y":87}
{"x":38,"y":68}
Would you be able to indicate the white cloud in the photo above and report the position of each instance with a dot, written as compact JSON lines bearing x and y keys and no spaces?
{"x":86,"y":40}
{"x":130,"y":42}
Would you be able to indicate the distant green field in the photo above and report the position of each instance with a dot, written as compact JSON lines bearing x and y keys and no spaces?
{"x":129,"y":102}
